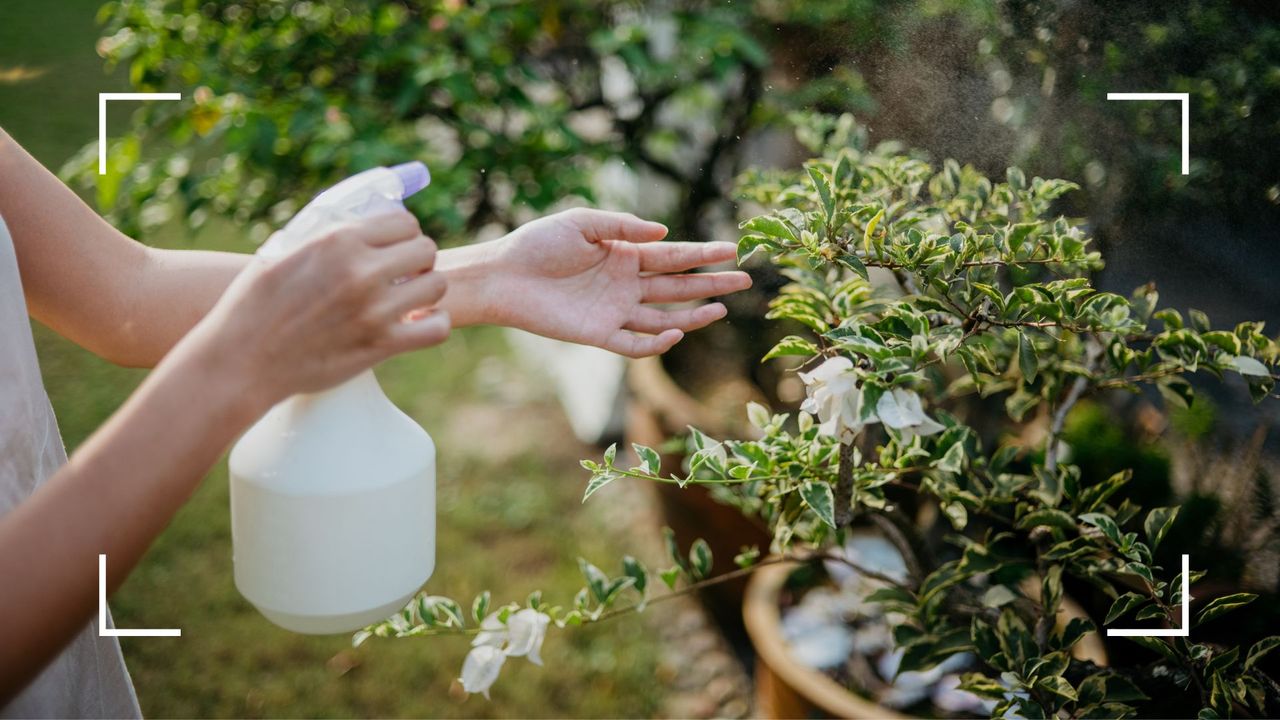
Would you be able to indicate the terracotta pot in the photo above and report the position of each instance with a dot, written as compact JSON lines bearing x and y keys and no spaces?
{"x":660,"y":409}
{"x":787,"y":689}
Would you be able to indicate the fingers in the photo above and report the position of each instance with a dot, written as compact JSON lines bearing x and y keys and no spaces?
{"x":404,"y":259}
{"x":431,"y":329}
{"x":681,"y":256}
{"x":384,"y":229}
{"x":695,"y":286}
{"x":421,"y":291}
{"x":655,"y":321}
{"x":632,"y":345}
{"x":597,"y":225}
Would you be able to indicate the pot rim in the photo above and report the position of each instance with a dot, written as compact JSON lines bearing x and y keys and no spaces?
{"x":763,"y":618}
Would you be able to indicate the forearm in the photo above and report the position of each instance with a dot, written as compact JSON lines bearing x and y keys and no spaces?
{"x":172,"y":290}
{"x":178,"y":287}
{"x":114,"y":496}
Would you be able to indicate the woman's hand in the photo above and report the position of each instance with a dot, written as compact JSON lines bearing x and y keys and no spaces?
{"x":323,"y":313}
{"x":592,"y":277}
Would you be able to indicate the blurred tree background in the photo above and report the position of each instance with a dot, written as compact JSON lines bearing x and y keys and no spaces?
{"x":522,"y":107}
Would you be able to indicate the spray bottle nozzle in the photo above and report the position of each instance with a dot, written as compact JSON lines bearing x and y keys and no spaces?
{"x":413,"y":175}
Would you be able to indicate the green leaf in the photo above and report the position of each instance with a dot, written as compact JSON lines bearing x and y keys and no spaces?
{"x":869,"y":234}
{"x":1051,"y":590}
{"x":770,"y":226}
{"x":956,"y":513}
{"x":1222,"y":660}
{"x":983,"y":686}
{"x":1057,"y":685}
{"x":597,"y":581}
{"x":749,"y":245}
{"x":1047,"y":516}
{"x":1094,"y":495}
{"x":598,"y":481}
{"x":650,"y":461}
{"x":998,"y":595}
{"x":1027,"y":361}
{"x":1260,"y":649}
{"x":670,"y":576}
{"x":1156,"y":645}
{"x":1121,"y":689}
{"x":1071,"y":633}
{"x":1150,"y":612}
{"x":822,"y":184}
{"x":673,"y":549}
{"x":747,"y":558}
{"x":480,"y":606}
{"x":616,"y":585}
{"x":1176,"y":391}
{"x":819,"y":498}
{"x":1225,"y":604}
{"x":891,"y":594}
{"x":1157,"y":524}
{"x":953,"y":460}
{"x":447,"y":611}
{"x":699,"y":559}
{"x":1017,"y":179}
{"x":1105,"y":524}
{"x":610,"y":454}
{"x":1122,"y":605}
{"x":635,"y":570}
{"x":854,"y":263}
{"x":791,"y":345}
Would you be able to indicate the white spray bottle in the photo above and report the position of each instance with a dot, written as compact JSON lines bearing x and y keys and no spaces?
{"x":333,"y":493}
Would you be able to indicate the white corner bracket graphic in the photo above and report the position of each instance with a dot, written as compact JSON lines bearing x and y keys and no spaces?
{"x":1185,"y":99}
{"x":103,"y":630}
{"x":1183,"y":631}
{"x":102,"y":118}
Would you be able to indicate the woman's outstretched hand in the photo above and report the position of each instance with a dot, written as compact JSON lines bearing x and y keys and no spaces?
{"x":594,"y":277}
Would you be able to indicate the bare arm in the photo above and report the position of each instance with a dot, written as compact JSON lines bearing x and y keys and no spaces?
{"x":116,"y":297}
{"x":585,"y":276}
{"x":92,"y":284}
{"x":114,"y":496}
{"x":300,"y":324}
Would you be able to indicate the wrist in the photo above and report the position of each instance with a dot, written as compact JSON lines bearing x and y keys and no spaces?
{"x":472,"y":273}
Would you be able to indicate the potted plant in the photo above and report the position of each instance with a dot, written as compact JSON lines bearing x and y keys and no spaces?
{"x":995,"y":302}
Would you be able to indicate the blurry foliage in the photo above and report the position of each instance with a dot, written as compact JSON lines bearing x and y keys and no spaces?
{"x":511,"y":104}
{"x":516,"y":104}
{"x":1226,"y":55}
{"x":1101,"y":446}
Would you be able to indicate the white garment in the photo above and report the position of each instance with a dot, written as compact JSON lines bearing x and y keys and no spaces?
{"x":88,"y":679}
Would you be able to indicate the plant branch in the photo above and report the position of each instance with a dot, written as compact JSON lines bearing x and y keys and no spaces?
{"x":843,"y":491}
{"x":1093,"y":352}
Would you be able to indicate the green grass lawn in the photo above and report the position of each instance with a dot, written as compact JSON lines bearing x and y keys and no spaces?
{"x":509,"y":489}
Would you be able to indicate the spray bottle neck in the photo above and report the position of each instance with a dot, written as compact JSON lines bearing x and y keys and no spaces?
{"x":360,"y":392}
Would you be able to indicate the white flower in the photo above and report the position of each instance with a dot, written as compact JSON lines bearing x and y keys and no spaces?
{"x":834,"y":396}
{"x":492,"y":632}
{"x":900,"y":410}
{"x":528,"y":627}
{"x":520,"y":636}
{"x":1248,"y":366}
{"x":480,"y":669}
